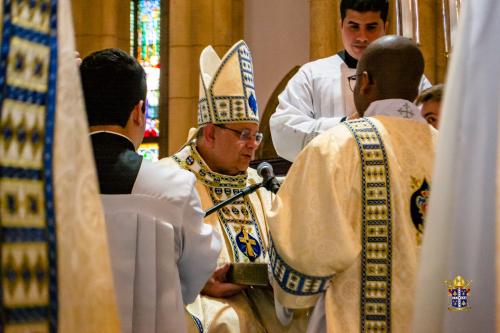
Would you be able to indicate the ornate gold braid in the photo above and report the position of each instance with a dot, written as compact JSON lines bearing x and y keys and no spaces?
{"x":376,"y":236}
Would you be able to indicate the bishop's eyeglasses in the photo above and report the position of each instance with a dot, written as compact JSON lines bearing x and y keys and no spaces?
{"x":245,"y":134}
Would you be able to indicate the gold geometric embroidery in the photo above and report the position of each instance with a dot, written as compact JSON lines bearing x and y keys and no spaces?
{"x":28,"y":90}
{"x":376,"y":326}
{"x":28,"y":65}
{"x":25,"y":267}
{"x":38,"y":327}
{"x":375,"y":289}
{"x":376,"y":270}
{"x":375,"y":298}
{"x":21,"y":140}
{"x":233,"y":222}
{"x":292,"y":281}
{"x":31,"y":14}
{"x":376,"y":309}
{"x":376,"y":251}
{"x":22,"y":201}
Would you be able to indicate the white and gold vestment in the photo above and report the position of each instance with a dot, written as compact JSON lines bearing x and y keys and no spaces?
{"x":340,"y":221}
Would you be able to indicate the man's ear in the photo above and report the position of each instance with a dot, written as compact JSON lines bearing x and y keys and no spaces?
{"x":138,"y":116}
{"x":340,"y":24}
{"x":386,"y":26}
{"x":209,"y":134}
{"x":365,"y":84}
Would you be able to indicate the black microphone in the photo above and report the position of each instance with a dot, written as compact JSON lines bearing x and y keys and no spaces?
{"x":269,"y":181}
{"x":246,"y":191}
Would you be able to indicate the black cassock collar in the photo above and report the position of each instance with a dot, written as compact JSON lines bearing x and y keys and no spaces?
{"x":349,"y":61}
{"x":117,"y":162}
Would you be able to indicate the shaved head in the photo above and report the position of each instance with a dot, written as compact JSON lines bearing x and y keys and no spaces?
{"x":390,"y":67}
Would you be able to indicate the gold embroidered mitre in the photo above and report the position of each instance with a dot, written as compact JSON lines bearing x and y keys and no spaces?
{"x":227,"y":91}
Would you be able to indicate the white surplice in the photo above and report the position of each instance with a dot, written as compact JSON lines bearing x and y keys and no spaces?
{"x":197,"y":244}
{"x":164,"y":211}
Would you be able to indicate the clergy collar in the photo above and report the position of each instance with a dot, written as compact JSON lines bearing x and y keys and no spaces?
{"x":114,"y":133}
{"x":348,"y":59}
{"x":399,"y":108}
{"x":190,"y":159}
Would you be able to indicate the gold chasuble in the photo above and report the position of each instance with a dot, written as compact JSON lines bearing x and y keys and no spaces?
{"x":55,"y":268}
{"x":243,"y":226}
{"x":346,"y":224}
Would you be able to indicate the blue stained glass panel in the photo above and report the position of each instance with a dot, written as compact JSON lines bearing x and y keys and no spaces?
{"x":145,"y":44}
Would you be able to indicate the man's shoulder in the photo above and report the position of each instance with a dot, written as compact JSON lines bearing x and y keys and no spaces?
{"x":399,"y":124}
{"x":331,"y":63}
{"x":411,"y":130}
{"x":338,"y":134}
{"x":336,"y":140}
{"x":164,"y":179}
{"x":139,"y":203}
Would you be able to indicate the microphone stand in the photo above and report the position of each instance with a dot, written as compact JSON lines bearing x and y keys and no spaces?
{"x":245,"y":191}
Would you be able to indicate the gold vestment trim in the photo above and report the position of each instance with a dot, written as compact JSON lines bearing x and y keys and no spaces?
{"x":376,"y":235}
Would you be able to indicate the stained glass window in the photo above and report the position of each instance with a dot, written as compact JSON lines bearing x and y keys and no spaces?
{"x":145,"y":46}
{"x":150,"y":151}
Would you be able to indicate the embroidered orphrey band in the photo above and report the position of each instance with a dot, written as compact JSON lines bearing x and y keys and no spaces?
{"x":376,"y":232}
{"x":28,"y":248}
{"x":293,"y":281}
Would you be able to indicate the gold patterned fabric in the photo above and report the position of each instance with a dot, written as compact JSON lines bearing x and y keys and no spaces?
{"x":319,"y":240}
{"x":244,"y":228}
{"x":227,"y":90}
{"x":376,"y":228}
{"x":48,"y":186}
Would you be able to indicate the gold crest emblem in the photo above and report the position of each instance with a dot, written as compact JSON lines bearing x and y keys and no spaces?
{"x":458,"y":292}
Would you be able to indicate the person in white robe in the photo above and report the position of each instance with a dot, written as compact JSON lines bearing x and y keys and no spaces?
{"x":318,"y":96}
{"x":346,"y":225}
{"x":462,"y":240}
{"x":238,"y":297}
{"x":114,"y":87}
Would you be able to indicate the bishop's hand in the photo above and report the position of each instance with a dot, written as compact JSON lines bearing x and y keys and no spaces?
{"x":217,"y":286}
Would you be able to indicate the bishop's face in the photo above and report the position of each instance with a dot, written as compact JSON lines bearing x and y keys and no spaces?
{"x":359,"y":29}
{"x":232,"y":150}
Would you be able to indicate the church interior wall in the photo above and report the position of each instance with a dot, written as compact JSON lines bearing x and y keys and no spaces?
{"x":280,"y":33}
{"x":277,"y":32}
